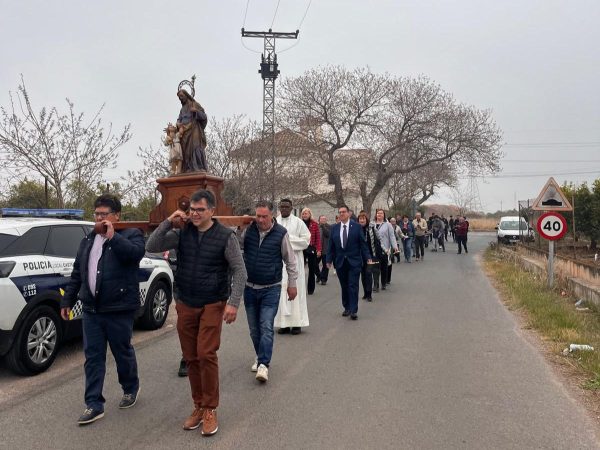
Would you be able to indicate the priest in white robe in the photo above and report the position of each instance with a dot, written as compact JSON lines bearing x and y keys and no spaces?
{"x":293,"y":315}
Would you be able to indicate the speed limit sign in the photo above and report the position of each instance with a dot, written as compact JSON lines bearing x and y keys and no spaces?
{"x":552,"y":226}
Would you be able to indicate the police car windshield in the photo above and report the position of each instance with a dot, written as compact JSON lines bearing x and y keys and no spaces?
{"x":6,"y":240}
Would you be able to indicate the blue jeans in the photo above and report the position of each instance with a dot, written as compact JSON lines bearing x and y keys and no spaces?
{"x":116,"y":330}
{"x":407,"y":245}
{"x":261,"y":308}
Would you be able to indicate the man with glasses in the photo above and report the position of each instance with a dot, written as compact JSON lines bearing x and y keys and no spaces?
{"x":210,"y":280}
{"x":348,"y":251}
{"x":105,"y":277}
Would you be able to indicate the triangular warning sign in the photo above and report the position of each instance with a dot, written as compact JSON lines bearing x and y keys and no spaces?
{"x":551,"y":198}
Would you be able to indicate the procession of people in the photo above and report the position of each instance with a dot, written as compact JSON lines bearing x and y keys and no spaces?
{"x":273,"y":264}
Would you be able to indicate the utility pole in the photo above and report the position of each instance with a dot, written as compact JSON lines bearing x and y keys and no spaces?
{"x":269,"y":72}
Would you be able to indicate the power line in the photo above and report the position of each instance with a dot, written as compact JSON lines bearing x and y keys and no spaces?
{"x":552,"y":160}
{"x":525,"y":175}
{"x":246,"y":13}
{"x":550,"y":144}
{"x":276,"y":8}
{"x":298,"y":28}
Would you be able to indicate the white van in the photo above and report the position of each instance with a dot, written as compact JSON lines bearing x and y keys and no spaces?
{"x":512,"y":229}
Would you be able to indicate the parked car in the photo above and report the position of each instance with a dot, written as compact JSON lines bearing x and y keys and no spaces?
{"x":36,"y":260}
{"x":512,"y":229}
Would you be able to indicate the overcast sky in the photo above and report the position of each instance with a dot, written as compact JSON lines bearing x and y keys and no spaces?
{"x":535,"y":64}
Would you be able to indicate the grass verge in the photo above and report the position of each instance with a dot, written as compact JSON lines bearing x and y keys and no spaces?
{"x":549,"y":312}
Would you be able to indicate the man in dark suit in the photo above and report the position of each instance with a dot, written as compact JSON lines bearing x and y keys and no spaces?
{"x":348,"y":251}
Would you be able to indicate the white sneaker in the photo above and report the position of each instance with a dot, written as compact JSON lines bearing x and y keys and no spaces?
{"x":262,"y":373}
{"x":254,"y":367}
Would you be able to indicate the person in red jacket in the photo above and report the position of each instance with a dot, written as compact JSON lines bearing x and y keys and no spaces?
{"x":461,"y":230}
{"x":313,"y":251}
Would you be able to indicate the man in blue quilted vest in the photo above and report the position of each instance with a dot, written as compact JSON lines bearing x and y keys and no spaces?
{"x":210,"y":280}
{"x":266,"y":248}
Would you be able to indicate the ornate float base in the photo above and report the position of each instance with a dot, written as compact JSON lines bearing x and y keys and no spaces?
{"x":176,"y":192}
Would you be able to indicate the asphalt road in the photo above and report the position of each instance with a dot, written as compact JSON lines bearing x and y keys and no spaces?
{"x":436,"y":362}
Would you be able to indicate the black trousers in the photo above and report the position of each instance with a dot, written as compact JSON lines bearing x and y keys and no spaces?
{"x":322,"y":269}
{"x":385,"y":270}
{"x":462,"y":240}
{"x":367,"y":281}
{"x":311,"y":259}
{"x":420,"y":246}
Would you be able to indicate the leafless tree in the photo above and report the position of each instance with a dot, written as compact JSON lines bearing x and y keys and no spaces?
{"x":405,"y":124}
{"x":64,"y":148}
{"x":419,"y":185}
{"x":463,"y":198}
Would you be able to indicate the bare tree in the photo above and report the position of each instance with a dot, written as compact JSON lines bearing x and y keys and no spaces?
{"x":419,"y":185}
{"x":462,"y":198}
{"x":60,"y":147}
{"x":333,"y":104}
{"x":404,"y":124}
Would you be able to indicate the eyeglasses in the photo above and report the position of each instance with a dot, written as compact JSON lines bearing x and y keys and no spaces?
{"x":102,"y":215}
{"x":197,"y":210}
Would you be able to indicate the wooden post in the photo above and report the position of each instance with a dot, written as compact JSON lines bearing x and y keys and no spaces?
{"x":550,"y":264}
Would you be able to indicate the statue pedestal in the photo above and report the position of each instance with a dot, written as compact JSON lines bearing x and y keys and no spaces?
{"x":176,"y":191}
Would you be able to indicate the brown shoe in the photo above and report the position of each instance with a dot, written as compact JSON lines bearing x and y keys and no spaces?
{"x":210,"y":425}
{"x":195,"y":419}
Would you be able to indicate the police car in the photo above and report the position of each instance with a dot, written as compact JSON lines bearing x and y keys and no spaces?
{"x":36,"y":260}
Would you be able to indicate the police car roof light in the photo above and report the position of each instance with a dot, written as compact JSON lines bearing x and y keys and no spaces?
{"x":6,"y":268}
{"x":40,"y":212}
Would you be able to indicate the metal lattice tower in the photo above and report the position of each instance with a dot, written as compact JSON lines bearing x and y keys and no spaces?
{"x":269,"y":72}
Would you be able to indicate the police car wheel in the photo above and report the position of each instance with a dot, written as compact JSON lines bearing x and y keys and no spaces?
{"x":37,"y":342}
{"x":156,"y":307}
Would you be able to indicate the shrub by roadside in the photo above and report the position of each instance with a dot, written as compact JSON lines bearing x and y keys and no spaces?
{"x":553,"y":315}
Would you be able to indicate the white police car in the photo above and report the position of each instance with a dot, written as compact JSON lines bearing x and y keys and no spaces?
{"x":36,"y":259}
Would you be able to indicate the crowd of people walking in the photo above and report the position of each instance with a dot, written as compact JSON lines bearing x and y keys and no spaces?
{"x":273,"y":264}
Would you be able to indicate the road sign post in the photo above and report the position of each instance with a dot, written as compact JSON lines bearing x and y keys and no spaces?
{"x":551,"y":226}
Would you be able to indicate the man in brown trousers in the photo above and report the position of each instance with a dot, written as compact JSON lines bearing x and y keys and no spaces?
{"x":210,"y":280}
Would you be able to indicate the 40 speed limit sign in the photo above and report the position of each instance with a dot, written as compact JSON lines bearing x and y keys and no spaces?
{"x":552,"y":226}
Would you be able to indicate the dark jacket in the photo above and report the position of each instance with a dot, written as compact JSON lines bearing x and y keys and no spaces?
{"x":325,"y":232}
{"x":117,"y":285}
{"x":356,"y":251}
{"x":373,"y":243}
{"x":202,"y":275}
{"x":264,"y":261}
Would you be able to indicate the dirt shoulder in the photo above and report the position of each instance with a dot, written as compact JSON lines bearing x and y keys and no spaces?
{"x":567,"y":368}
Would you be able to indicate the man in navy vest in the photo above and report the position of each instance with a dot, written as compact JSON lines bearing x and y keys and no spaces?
{"x":266,"y":247}
{"x":348,"y":251}
{"x":210,"y":280}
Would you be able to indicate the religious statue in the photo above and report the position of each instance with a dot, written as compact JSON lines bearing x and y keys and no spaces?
{"x":190,"y":125}
{"x":172,"y":140}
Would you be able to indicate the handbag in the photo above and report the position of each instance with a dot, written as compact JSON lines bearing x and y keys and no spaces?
{"x":373,"y":268}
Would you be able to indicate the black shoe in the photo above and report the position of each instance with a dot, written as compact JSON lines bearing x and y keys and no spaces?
{"x":285,"y":330}
{"x":376,"y":289}
{"x":346,"y":313}
{"x":183,"y":370}
{"x":354,"y":316}
{"x":129,"y":400}
{"x":369,"y":299}
{"x":364,"y":297}
{"x":383,"y":288}
{"x":323,"y":283}
{"x":466,"y":251}
{"x":296,"y":330}
{"x":90,"y":415}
